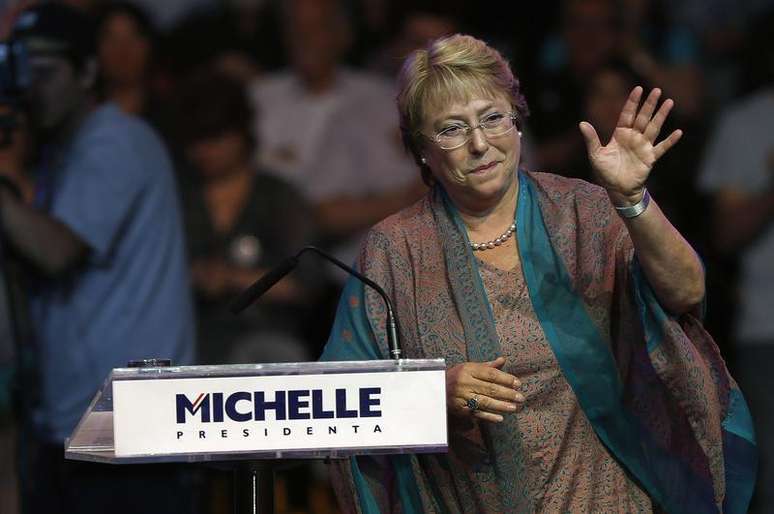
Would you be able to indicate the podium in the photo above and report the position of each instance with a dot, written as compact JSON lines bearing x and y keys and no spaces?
{"x":255,"y":414}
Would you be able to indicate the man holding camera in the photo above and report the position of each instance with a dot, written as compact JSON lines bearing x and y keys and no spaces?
{"x":104,"y":244}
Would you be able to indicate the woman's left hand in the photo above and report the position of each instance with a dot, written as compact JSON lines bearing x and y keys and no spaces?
{"x":623,"y":165}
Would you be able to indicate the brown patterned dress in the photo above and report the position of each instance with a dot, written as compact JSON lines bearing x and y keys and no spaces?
{"x":568,"y":468}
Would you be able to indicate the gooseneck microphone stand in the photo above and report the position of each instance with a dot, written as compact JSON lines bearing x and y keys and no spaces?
{"x":254,"y":480}
{"x":263,"y":284}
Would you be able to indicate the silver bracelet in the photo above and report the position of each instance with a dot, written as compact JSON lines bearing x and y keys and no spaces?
{"x":634,"y":210}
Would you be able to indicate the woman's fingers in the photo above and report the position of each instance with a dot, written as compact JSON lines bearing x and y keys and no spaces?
{"x":489,"y":404}
{"x":495,"y":391}
{"x":499,"y":362}
{"x":644,"y":125}
{"x":653,"y":128}
{"x":661,"y":148}
{"x":488,"y":416}
{"x":494,"y":375}
{"x":487,"y":408}
{"x":647,"y":110}
{"x":589,"y":134}
{"x":629,"y":111}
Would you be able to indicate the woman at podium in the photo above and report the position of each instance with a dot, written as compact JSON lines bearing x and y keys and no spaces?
{"x":579,"y":377}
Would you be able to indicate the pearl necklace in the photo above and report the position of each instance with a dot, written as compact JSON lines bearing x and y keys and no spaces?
{"x":496,"y":241}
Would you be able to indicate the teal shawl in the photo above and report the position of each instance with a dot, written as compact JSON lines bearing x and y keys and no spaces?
{"x":653,"y":386}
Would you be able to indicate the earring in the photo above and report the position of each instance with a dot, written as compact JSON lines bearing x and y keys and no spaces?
{"x":519,"y":131}
{"x":424,"y":160}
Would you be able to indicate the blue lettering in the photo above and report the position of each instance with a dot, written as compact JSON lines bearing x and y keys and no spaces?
{"x":231,"y":409}
{"x":183,"y":404}
{"x":287,"y":405}
{"x":295,"y":403}
{"x":261,"y":406}
{"x":317,"y":406}
{"x":341,"y":405}
{"x":366,"y":402}
{"x":217,"y":407}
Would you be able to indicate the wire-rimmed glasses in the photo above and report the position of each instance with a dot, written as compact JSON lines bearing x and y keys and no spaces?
{"x":495,"y":124}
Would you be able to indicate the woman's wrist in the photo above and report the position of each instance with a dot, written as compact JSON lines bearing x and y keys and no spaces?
{"x":632,"y":211}
{"x":624,"y":200}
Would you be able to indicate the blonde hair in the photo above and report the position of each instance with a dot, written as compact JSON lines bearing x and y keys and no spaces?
{"x":450,"y":69}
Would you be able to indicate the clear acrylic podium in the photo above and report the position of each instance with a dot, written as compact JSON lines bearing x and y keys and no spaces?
{"x":255,"y":414}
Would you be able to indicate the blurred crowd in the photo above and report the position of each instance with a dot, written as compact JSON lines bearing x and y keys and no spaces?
{"x":278,"y":117}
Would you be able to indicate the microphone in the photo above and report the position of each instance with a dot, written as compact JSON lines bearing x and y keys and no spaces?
{"x":263,"y":284}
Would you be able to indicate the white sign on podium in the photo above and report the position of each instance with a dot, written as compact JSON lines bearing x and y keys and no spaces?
{"x":265,"y":411}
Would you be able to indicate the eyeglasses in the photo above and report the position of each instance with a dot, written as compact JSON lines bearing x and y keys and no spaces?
{"x":495,"y":124}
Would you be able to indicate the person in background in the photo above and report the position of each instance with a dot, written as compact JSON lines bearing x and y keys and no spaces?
{"x":104,"y":247}
{"x":125,"y":43}
{"x":240,"y":222}
{"x":311,"y":131}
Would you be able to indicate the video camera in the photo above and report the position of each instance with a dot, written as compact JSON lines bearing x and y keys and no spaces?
{"x":14,"y":71}
{"x":14,"y":80}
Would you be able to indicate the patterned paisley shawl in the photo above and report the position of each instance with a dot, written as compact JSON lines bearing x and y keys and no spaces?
{"x":654,"y":387}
